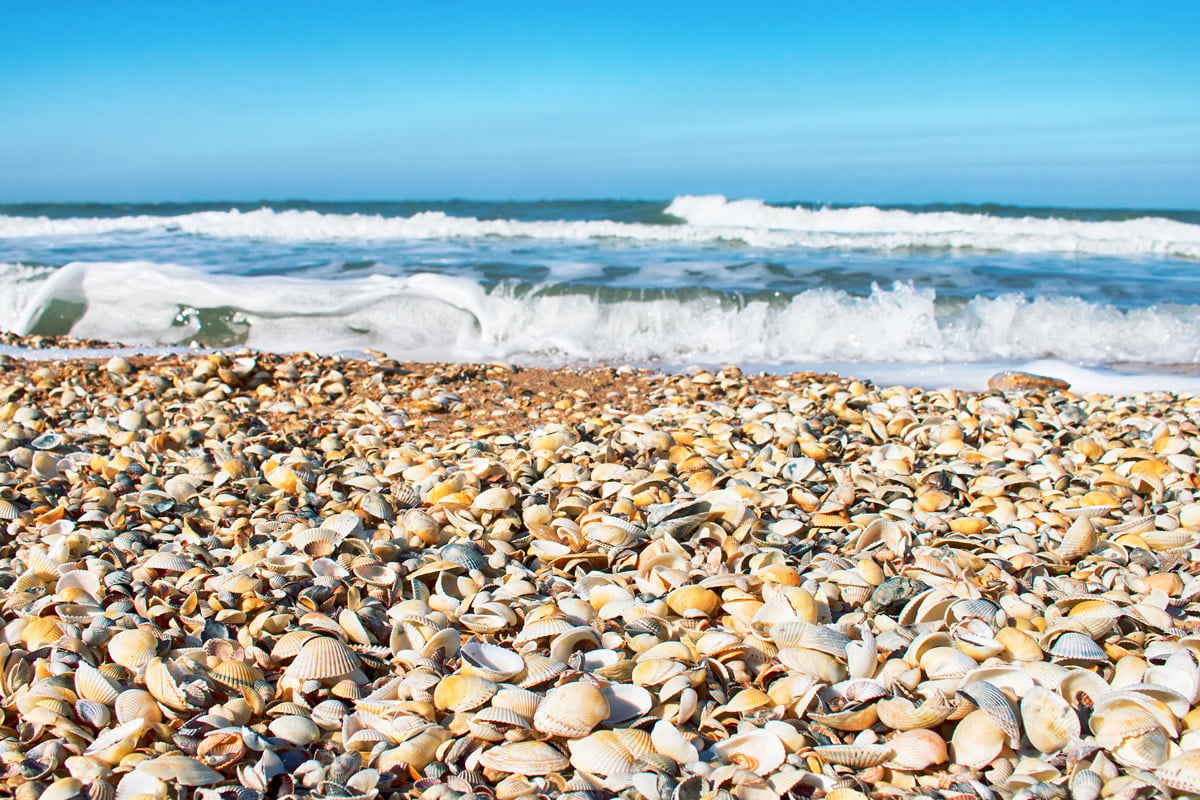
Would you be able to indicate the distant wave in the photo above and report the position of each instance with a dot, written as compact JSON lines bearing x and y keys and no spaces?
{"x":707,"y":219}
{"x":427,"y":316}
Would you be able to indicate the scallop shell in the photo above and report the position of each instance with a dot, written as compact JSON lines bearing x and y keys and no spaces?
{"x":1050,"y":723}
{"x":609,"y":752}
{"x":917,"y":750}
{"x":977,"y":741}
{"x":993,"y":702}
{"x":376,"y":506}
{"x":521,"y":701}
{"x":132,"y":649}
{"x":91,"y":684}
{"x":758,"y":751}
{"x":162,"y":683}
{"x":525,"y":758}
{"x":1181,"y":772}
{"x":802,"y":635}
{"x":135,"y":704}
{"x":181,"y":770}
{"x":571,"y":710}
{"x":1080,"y":540}
{"x":323,"y":658}
{"x":167,"y":562}
{"x":856,"y":756}
{"x":115,"y":743}
{"x":901,"y":714}
{"x":463,"y":692}
{"x":694,"y":601}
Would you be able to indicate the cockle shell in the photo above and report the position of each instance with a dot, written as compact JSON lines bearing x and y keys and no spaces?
{"x":1050,"y":723}
{"x":1181,"y":772}
{"x":181,"y":770}
{"x":323,"y":658}
{"x":917,"y":750}
{"x":571,"y":710}
{"x":132,"y":648}
{"x":463,"y":692}
{"x":491,"y":661}
{"x":759,"y":751}
{"x":857,"y":756}
{"x":977,"y":741}
{"x":609,"y":752}
{"x":525,"y":758}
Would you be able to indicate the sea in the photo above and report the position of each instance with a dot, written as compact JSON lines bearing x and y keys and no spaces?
{"x":934,"y":295}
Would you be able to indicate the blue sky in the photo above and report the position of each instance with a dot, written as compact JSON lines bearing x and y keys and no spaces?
{"x":1031,"y":103}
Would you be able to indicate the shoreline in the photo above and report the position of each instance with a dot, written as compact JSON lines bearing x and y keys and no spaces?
{"x":414,"y":579}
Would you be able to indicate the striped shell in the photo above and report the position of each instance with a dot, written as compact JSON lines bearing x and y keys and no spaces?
{"x":1050,"y":723}
{"x":132,"y":648}
{"x":571,"y":710}
{"x":525,"y":758}
{"x":323,"y":658}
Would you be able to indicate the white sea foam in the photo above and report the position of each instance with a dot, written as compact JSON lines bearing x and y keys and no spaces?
{"x":705,"y":219}
{"x":433,"y":317}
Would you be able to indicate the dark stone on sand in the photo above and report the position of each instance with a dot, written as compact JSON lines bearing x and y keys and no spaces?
{"x":1025,"y":382}
{"x":892,"y":594}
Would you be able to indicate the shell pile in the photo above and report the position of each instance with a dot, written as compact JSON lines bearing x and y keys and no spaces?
{"x":254,"y":576}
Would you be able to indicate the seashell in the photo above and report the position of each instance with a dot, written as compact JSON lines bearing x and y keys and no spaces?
{"x":375,"y":574}
{"x":164,"y":686}
{"x":1080,"y":540}
{"x":132,"y":649}
{"x":491,"y":661}
{"x":758,"y":751}
{"x":656,"y":671}
{"x":609,"y":752}
{"x":323,"y":658}
{"x":917,"y":750}
{"x":1050,"y":723}
{"x":167,"y":562}
{"x":855,"y":756}
{"x":1073,"y":647}
{"x":521,"y":701}
{"x":424,"y":527}
{"x":1181,"y":772}
{"x":941,"y":663}
{"x":92,"y":713}
{"x":821,"y":638}
{"x":114,"y":744}
{"x":495,"y":499}
{"x":91,"y":684}
{"x":694,"y":601}
{"x":465,"y":554}
{"x":294,"y":729}
{"x":668,"y":741}
{"x":1019,"y":645}
{"x":1087,"y":785}
{"x":977,"y":741}
{"x":525,"y":758}
{"x":901,"y":714}
{"x":181,"y":770}
{"x":221,"y":749}
{"x":819,"y":665}
{"x":376,"y":506}
{"x":135,"y":704}
{"x":993,"y":702}
{"x":463,"y":692}
{"x":236,"y":675}
{"x":571,"y":710}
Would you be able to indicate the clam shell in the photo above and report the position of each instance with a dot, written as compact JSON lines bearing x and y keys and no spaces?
{"x":132,"y":649}
{"x":135,"y":704}
{"x":758,"y":751}
{"x":295,"y":729}
{"x":181,"y":770}
{"x":609,"y":752}
{"x":917,"y":750}
{"x":1181,"y":772}
{"x":694,"y":601}
{"x":821,"y":638}
{"x":993,"y":702}
{"x":323,"y":658}
{"x":1050,"y":723}
{"x":162,"y":683}
{"x":856,"y":756}
{"x":463,"y":692}
{"x":901,"y":714}
{"x":667,"y":740}
{"x":91,"y":684}
{"x":491,"y":661}
{"x":571,"y":710}
{"x":525,"y":758}
{"x":977,"y":741}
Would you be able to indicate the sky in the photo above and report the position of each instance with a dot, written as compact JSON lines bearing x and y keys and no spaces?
{"x":1065,"y":103}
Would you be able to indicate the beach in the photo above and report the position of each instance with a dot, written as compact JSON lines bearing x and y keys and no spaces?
{"x":314,"y":575}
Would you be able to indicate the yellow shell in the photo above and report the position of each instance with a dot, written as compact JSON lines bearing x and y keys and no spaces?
{"x":323,"y":658}
{"x":525,"y":758}
{"x":571,"y":710}
{"x":463,"y":692}
{"x":132,"y":649}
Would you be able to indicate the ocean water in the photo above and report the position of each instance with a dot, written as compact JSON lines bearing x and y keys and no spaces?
{"x":904,"y":292}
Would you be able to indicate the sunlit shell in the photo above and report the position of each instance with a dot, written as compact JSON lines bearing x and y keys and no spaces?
{"x":323,"y":658}
{"x":901,"y":714}
{"x":132,"y":648}
{"x":977,"y":741}
{"x":993,"y":702}
{"x":1080,"y":539}
{"x":182,"y":770}
{"x":609,"y":752}
{"x":822,"y":666}
{"x":810,"y":637}
{"x":236,"y":675}
{"x":91,"y":684}
{"x":463,"y":692}
{"x":759,"y":751}
{"x":571,"y":710}
{"x":134,"y":704}
{"x":1181,"y":772}
{"x":295,"y":729}
{"x":167,"y":562}
{"x":525,"y":758}
{"x":1050,"y":723}
{"x":115,"y":743}
{"x":1086,"y":785}
{"x":917,"y":750}
{"x":694,"y":601}
{"x":857,"y":756}
{"x":491,"y":661}
{"x":163,"y":684}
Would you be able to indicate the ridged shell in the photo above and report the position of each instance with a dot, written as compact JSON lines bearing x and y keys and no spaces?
{"x":525,"y":758}
{"x":1087,"y":785}
{"x":1050,"y":723}
{"x":993,"y":702}
{"x":466,"y":555}
{"x":161,"y":683}
{"x":1076,"y":647}
{"x":609,"y":752}
{"x":132,"y":649}
{"x":1181,"y":772}
{"x":463,"y":692}
{"x":694,"y":601}
{"x":496,"y":498}
{"x":236,"y":675}
{"x":571,"y":710}
{"x":810,"y":637}
{"x":917,"y":750}
{"x":181,"y":770}
{"x":901,"y":714}
{"x":856,"y":756}
{"x":91,"y":684}
{"x":323,"y":658}
{"x":522,"y":701}
{"x":93,"y":713}
{"x":167,"y":562}
{"x":134,"y":704}
{"x":376,"y":506}
{"x":1080,"y":539}
{"x":977,"y":741}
